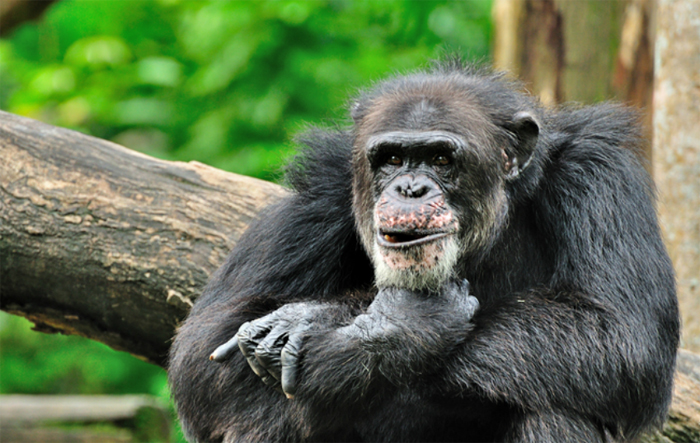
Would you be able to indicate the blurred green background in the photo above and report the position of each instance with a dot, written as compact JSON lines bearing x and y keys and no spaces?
{"x":227,"y":83}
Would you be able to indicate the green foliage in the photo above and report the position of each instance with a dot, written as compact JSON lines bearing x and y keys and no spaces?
{"x":56,"y":364}
{"x":33,"y":363}
{"x":227,"y":83}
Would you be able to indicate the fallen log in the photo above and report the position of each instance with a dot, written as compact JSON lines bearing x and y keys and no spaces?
{"x":101,"y":241}
{"x":103,"y":418}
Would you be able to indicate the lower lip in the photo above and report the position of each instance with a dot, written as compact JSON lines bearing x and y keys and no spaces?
{"x":381,"y":241}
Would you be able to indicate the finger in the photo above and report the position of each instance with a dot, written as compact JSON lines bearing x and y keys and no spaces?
{"x":472,"y":305}
{"x":248,"y":336}
{"x":225,"y":351}
{"x":290,"y":363}
{"x":256,"y":330}
{"x":253,"y":332}
{"x":268,"y":352}
{"x":271,"y":381}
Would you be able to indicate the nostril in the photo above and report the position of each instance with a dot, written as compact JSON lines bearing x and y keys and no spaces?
{"x":413,"y":187}
{"x":412,"y":190}
{"x":419,"y":191}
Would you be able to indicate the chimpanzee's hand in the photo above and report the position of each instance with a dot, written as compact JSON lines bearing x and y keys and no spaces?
{"x":411,"y":329}
{"x":404,"y":327}
{"x":272,"y":344}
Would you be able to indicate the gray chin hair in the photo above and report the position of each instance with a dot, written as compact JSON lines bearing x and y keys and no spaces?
{"x":418,"y":276}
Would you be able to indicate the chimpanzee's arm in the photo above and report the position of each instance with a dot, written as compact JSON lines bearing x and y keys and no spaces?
{"x":600,"y":340}
{"x":351,"y":355}
{"x":304,"y":248}
{"x":403,"y":333}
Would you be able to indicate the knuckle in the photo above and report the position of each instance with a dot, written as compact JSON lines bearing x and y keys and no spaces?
{"x":269,"y":380}
{"x":245,"y":333}
{"x":262,"y":351}
{"x":289,"y":356}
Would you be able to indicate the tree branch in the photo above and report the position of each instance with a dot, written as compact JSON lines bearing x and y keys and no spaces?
{"x":103,"y":242}
{"x":15,"y":12}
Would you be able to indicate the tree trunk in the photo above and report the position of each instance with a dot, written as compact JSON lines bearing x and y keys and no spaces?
{"x":683,"y":423}
{"x":677,"y":150}
{"x":583,"y":51}
{"x":100,"y":241}
{"x":110,"y":418}
{"x":15,"y":12}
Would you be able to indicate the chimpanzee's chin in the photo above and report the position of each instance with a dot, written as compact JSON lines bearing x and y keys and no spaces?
{"x":421,"y":266}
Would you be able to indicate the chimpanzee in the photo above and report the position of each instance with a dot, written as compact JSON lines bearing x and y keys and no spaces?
{"x":461,"y":264}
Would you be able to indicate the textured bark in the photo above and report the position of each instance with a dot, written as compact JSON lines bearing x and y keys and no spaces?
{"x":100,"y":241}
{"x":582,"y":51}
{"x":15,"y":409}
{"x":677,"y":150}
{"x":683,"y":424}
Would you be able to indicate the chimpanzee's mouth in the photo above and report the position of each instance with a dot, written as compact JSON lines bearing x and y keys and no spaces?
{"x":389,"y":239}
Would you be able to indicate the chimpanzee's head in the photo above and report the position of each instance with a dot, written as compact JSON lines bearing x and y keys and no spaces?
{"x":435,"y":158}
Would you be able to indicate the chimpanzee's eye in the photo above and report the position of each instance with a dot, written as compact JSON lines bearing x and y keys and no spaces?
{"x":441,"y":160}
{"x":394,"y":160}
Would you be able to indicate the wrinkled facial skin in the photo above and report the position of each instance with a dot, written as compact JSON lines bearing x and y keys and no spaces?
{"x":415,"y":228}
{"x":396,"y":215}
{"x":413,"y":232}
{"x":423,"y":222}
{"x":428,"y":185}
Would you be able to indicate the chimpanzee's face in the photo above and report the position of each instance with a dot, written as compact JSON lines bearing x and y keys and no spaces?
{"x":429,"y":187}
{"x":415,"y":226}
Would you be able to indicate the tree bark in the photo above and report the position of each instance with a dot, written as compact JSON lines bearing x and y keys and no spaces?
{"x":120,"y":418}
{"x":15,"y":12}
{"x":100,"y":241}
{"x":582,"y":51}
{"x":677,"y":151}
{"x":683,"y":423}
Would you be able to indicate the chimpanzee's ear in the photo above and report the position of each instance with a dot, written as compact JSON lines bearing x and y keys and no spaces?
{"x":526,"y":130}
{"x":357,"y":111}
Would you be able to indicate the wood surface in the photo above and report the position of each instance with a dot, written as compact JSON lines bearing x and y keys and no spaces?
{"x":100,"y":241}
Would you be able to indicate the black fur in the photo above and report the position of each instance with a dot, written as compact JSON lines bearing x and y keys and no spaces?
{"x":575,"y":338}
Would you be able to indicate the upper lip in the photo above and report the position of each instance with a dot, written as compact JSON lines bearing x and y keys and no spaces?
{"x":404,"y":239}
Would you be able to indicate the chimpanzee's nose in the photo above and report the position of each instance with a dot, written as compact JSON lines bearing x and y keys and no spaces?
{"x":413,"y":187}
